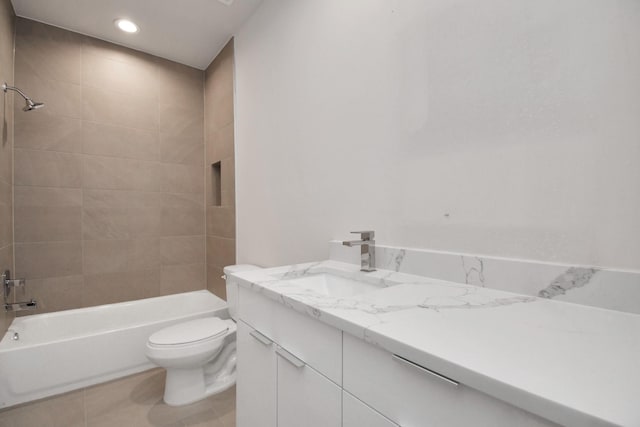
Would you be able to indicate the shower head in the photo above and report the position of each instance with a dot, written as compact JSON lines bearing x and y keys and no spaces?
{"x":30,"y":103}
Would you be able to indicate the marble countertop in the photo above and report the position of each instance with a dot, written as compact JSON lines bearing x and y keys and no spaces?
{"x":572,"y":364}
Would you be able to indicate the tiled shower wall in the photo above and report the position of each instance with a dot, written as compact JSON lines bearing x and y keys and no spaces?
{"x":109,"y":182}
{"x":7,"y":25}
{"x":220,"y":169}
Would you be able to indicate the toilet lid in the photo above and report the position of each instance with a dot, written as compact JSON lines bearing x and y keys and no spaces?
{"x":190,"y":332}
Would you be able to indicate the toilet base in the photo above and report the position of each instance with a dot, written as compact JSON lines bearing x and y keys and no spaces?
{"x":185,"y":386}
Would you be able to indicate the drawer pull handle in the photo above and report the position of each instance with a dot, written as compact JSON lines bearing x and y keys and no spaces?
{"x":290,"y":358}
{"x":261,"y":338}
{"x":423,"y":369}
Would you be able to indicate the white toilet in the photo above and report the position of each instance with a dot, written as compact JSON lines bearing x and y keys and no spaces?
{"x":199,"y":355}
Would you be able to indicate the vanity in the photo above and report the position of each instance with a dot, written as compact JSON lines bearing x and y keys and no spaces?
{"x":324,"y":344}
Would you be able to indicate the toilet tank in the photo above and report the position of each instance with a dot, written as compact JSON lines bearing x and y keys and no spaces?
{"x":232,"y":286}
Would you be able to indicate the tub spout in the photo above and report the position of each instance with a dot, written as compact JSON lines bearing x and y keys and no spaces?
{"x":21,"y":306}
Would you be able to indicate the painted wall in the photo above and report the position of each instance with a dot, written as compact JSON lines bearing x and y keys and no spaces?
{"x":7,"y":31}
{"x":109,"y":180}
{"x":220,"y":185}
{"x":502,"y":127}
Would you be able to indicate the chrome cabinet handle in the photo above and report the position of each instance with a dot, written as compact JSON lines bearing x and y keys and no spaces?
{"x":425,"y":370}
{"x":290,"y":358}
{"x":261,"y":338}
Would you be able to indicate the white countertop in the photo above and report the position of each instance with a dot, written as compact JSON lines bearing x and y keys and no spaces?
{"x":572,"y":364}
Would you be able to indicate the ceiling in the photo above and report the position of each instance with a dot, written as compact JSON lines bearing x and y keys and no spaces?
{"x":191,"y":32}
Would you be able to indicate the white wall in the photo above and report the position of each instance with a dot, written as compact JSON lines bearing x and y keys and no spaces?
{"x":520,"y":119}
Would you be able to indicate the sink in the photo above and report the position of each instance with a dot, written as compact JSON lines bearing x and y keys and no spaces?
{"x":334,"y":286}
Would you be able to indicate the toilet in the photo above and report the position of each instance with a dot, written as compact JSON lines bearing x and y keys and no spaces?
{"x":199,"y":355}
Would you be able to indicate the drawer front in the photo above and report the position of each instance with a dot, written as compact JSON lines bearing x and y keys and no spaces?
{"x":412,"y":396}
{"x":305,"y":397}
{"x":256,"y":379}
{"x":319,"y":345}
{"x":357,"y":414}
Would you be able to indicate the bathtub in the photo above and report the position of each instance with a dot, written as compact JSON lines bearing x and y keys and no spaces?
{"x":67,"y":350}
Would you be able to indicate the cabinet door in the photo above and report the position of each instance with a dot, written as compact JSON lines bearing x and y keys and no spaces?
{"x":256,"y":379}
{"x":412,"y":395}
{"x":357,"y":414}
{"x":305,"y":397}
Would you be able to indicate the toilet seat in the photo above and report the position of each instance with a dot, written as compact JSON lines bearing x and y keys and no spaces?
{"x":189,"y":333}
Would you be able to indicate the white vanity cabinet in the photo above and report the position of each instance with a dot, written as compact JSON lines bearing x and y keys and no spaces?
{"x":289,"y":367}
{"x":356,"y":414}
{"x":411,"y":395}
{"x":294,"y":370}
{"x":256,"y":378}
{"x":305,"y":397}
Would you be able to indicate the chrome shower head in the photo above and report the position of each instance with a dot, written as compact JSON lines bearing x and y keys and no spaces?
{"x":30,"y":104}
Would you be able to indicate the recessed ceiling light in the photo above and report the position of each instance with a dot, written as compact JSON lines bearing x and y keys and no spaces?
{"x":126,"y":26}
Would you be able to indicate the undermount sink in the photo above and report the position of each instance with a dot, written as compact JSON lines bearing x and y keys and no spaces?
{"x":334,"y":286}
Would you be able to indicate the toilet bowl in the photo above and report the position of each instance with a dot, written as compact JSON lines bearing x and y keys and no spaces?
{"x":199,"y":355}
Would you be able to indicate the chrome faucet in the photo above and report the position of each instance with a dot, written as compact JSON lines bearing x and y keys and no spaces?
{"x":367,"y":249}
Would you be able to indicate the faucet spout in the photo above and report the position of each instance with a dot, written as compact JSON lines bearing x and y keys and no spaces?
{"x":367,"y":249}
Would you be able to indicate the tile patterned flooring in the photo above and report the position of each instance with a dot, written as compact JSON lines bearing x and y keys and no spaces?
{"x":134,"y":401}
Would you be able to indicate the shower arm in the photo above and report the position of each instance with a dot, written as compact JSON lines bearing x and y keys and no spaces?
{"x":6,"y":87}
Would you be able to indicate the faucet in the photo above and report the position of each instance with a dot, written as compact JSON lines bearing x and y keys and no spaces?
{"x":9,"y":284}
{"x":367,"y":249}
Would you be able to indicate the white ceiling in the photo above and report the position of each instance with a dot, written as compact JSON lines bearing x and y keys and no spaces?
{"x":191,"y":32}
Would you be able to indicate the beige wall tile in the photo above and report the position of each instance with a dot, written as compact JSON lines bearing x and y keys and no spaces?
{"x":145,"y":176}
{"x":222,"y":105}
{"x":5,"y":192}
{"x":93,"y":164}
{"x":180,"y":149}
{"x":182,"y":178}
{"x":215,"y":283}
{"x":48,"y":132}
{"x":105,"y":256}
{"x":220,"y":143}
{"x":105,"y":214}
{"x":48,"y":259}
{"x":114,"y":108}
{"x":145,"y":214}
{"x":6,"y":263}
{"x":228,"y":180}
{"x":182,"y":278}
{"x":61,"y":99}
{"x":137,"y":79}
{"x":7,"y":27}
{"x":143,"y":254}
{"x":182,"y":250}
{"x":55,"y":293}
{"x":180,"y":85}
{"x":117,"y":141}
{"x":220,"y":251}
{"x":115,"y":173}
{"x":180,"y":121}
{"x":47,"y":214}
{"x":122,"y":286}
{"x":110,"y":173}
{"x":221,"y":221}
{"x":6,"y":226}
{"x":182,"y":214}
{"x":48,"y":52}
{"x":93,"y":46}
{"x":47,"y":168}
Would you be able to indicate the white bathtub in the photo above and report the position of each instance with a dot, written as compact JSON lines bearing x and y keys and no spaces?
{"x":67,"y":350}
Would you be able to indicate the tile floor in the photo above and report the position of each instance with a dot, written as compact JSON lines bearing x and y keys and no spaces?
{"x":134,"y":401}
